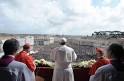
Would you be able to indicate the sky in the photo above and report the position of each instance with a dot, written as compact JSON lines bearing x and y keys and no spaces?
{"x":64,"y":17}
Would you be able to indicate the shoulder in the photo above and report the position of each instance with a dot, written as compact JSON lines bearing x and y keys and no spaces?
{"x":95,"y":64}
{"x":21,"y":54}
{"x":69,"y":48}
{"x":101,"y":62}
{"x":105,"y":60}
{"x":16,"y":64}
{"x":105,"y":68}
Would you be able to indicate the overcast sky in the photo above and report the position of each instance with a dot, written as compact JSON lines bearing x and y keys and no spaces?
{"x":73,"y":17}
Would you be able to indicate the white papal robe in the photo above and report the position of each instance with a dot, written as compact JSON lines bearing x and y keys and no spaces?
{"x":63,"y":57}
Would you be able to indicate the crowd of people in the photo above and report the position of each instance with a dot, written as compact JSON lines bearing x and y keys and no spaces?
{"x":20,"y":66}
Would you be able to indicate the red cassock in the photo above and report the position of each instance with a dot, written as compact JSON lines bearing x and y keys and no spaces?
{"x":26,"y":59}
{"x":100,"y":62}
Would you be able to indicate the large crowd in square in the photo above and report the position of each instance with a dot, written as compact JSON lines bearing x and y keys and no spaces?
{"x":109,"y":65}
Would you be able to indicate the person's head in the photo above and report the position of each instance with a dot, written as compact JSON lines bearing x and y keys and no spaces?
{"x":10,"y":46}
{"x":27,"y":47}
{"x":63,"y":41}
{"x":99,"y":52}
{"x":115,"y":51}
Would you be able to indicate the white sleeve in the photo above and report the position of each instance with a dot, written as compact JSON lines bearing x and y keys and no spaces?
{"x":98,"y":76}
{"x":91,"y":78}
{"x":74,"y":57}
{"x":27,"y":75}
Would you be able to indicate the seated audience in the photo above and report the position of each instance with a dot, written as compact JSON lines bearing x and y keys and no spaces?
{"x":115,"y":70}
{"x":11,"y":70}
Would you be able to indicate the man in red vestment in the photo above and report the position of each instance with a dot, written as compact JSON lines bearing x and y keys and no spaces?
{"x":24,"y":57}
{"x":101,"y":60}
